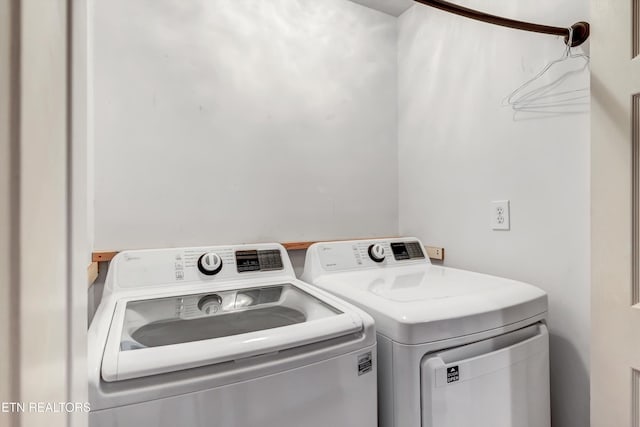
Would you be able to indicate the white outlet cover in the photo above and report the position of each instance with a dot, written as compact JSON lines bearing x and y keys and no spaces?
{"x":500,"y":215}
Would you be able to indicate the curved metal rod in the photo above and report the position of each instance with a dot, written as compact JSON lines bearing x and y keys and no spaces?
{"x":580,"y":29}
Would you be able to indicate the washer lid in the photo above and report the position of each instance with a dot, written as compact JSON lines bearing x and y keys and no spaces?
{"x":424,"y":303}
{"x":161,"y":334}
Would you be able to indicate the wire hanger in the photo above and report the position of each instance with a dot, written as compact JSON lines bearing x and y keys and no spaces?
{"x":540,"y":99}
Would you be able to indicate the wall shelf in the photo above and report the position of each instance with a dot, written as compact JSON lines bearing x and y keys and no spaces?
{"x":92,"y":273}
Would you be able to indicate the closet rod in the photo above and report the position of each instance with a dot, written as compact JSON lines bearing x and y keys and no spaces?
{"x":580,"y":29}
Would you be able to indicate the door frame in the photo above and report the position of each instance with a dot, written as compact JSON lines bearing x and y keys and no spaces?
{"x":43,"y":208}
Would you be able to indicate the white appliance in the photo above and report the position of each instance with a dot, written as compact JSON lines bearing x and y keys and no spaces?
{"x":226,"y":336}
{"x":455,"y":348}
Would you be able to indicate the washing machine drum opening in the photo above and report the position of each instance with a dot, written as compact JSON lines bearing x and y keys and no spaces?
{"x":181,"y":331}
{"x":158,"y":335}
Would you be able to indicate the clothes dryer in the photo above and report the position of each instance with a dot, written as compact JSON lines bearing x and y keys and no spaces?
{"x":455,"y":348}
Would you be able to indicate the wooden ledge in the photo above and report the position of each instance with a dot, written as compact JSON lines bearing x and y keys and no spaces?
{"x":92,"y":273}
{"x":103,"y":256}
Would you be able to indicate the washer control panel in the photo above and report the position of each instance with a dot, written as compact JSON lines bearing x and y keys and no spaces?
{"x":215,"y":263}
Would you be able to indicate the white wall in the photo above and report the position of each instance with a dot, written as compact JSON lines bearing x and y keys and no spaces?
{"x":242,"y":120}
{"x":392,"y":7}
{"x":459,"y":148}
{"x":229,"y":121}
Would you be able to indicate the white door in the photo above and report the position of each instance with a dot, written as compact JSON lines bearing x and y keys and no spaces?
{"x":42,"y":288}
{"x":615,"y":224}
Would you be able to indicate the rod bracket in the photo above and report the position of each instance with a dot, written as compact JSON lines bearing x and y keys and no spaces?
{"x":580,"y":34}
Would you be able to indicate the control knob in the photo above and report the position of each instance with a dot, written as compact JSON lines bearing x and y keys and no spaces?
{"x":376,"y":252}
{"x":210,"y":264}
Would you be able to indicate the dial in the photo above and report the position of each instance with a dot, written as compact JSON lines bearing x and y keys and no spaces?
{"x":376,"y":252}
{"x":210,"y":263}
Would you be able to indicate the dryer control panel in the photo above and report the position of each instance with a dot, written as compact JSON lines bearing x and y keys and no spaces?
{"x":363,"y":254}
{"x":407,"y":250}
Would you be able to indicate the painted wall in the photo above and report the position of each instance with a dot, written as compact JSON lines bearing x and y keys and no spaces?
{"x":392,"y":7}
{"x":229,"y":121}
{"x":233,"y":121}
{"x":460,"y":148}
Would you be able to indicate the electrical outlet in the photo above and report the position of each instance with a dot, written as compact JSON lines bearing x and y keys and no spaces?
{"x":435,"y":253}
{"x":500,"y":215}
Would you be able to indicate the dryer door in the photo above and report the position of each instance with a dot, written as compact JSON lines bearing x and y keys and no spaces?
{"x":499,"y":382}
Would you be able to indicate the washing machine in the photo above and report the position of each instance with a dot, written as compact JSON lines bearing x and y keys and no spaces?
{"x":226,"y":336}
{"x":455,"y":348}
